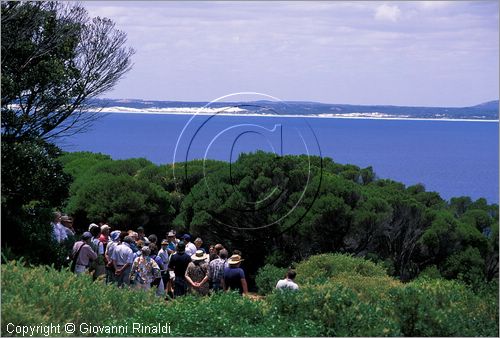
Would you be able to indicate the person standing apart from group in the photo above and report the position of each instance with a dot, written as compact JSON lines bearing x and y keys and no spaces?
{"x":288,"y":282}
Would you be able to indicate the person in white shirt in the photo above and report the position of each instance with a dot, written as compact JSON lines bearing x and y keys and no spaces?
{"x":57,"y":227}
{"x":67,"y":227}
{"x":190,"y":247}
{"x":123,"y":258}
{"x":288,"y":282}
{"x":110,"y":269}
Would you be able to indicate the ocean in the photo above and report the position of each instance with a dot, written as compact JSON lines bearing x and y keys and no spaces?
{"x":453,"y":158}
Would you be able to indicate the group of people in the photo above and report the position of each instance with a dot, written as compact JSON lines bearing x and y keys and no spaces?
{"x":174,"y":266}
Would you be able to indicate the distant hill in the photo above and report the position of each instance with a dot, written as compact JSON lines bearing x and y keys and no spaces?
{"x":484,"y":111}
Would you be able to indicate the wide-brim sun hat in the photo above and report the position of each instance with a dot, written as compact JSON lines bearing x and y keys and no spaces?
{"x":199,"y":255}
{"x":235,"y":259}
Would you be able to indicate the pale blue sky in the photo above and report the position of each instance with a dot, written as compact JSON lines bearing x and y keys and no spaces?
{"x":401,"y":53}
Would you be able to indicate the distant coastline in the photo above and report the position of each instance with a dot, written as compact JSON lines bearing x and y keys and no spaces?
{"x":484,"y":112}
{"x":234,"y":111}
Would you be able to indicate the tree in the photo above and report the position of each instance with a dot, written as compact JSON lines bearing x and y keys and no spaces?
{"x":55,"y":59}
{"x":33,"y":182}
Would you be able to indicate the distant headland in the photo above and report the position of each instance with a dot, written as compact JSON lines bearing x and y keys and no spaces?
{"x":487,"y":111}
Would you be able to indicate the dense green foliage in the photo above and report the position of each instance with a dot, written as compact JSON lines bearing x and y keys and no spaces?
{"x":285,"y":209}
{"x":55,"y":58}
{"x":33,"y":182}
{"x":361,"y":304}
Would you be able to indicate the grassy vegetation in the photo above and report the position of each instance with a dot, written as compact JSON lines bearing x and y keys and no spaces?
{"x":340,"y":296}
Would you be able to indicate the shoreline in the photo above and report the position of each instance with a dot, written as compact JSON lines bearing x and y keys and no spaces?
{"x":323,"y":116}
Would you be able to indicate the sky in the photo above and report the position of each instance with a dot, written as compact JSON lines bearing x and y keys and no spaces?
{"x":415,"y":53}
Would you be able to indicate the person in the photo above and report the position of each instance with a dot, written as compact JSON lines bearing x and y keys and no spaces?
{"x":67,"y":229}
{"x":163,"y":255}
{"x":158,"y":282}
{"x":123,"y":258}
{"x":144,"y":270}
{"x":172,"y":242}
{"x":110,"y":269}
{"x":139,"y":245}
{"x":83,"y":254}
{"x":104,"y":237}
{"x":190,"y":247}
{"x":218,"y":247}
{"x":178,"y":264}
{"x":216,"y":271}
{"x":288,"y":282}
{"x":198,"y":242}
{"x":152,"y":239}
{"x":197,"y":273}
{"x":141,"y":235}
{"x":234,"y":276}
{"x":99,"y":265}
{"x":57,"y":227}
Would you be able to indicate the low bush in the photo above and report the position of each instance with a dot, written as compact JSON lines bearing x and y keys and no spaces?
{"x":336,"y":310}
{"x":436,"y":307}
{"x":341,"y":305}
{"x":318,"y":269}
{"x":34,"y":295}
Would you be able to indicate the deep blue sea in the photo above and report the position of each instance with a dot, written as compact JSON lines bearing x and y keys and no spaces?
{"x":450,"y":157}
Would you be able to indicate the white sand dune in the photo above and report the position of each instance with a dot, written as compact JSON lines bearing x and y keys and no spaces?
{"x":236,"y":111}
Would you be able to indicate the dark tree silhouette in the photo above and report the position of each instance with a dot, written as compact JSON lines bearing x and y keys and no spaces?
{"x":55,"y":59}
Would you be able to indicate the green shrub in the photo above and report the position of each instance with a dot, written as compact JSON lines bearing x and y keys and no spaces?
{"x":430,"y":272}
{"x":318,"y":269}
{"x":267,"y":277}
{"x":343,"y":305}
{"x":443,"y":308}
{"x":336,"y":310}
{"x":41,"y":294}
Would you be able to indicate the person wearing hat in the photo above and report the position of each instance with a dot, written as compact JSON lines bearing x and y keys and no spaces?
{"x":197,"y":273}
{"x":234,"y":276}
{"x":172,"y":242}
{"x":144,"y":270}
{"x":83,"y":254}
{"x":123,"y":258}
{"x":179,"y":262}
{"x":190,"y":247}
{"x":67,"y":229}
{"x":110,"y":247}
